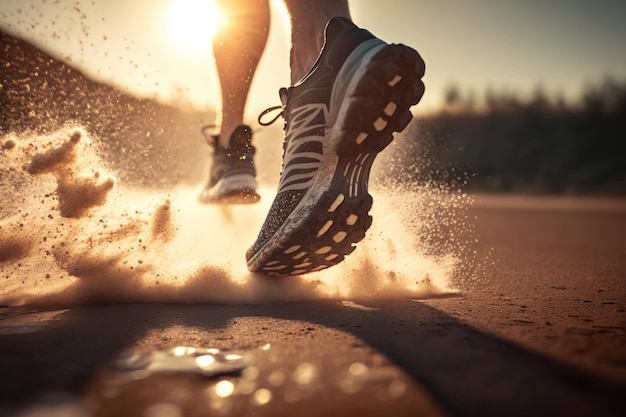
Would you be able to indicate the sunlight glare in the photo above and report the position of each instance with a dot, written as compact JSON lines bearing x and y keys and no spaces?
{"x":192,"y":23}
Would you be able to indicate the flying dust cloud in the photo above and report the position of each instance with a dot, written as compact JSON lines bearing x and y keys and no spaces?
{"x":72,"y":234}
{"x":98,"y":200}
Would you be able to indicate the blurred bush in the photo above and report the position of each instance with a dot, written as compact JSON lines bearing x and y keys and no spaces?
{"x":506,"y":143}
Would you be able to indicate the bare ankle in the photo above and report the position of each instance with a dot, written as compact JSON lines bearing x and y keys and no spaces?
{"x":225,"y":132}
{"x":308,"y":20}
{"x":302,"y":60}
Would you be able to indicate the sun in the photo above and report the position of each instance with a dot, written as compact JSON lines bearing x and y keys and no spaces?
{"x":192,"y":23}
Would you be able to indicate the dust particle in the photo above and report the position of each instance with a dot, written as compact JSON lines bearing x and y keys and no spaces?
{"x":9,"y":144}
{"x":162,"y":228}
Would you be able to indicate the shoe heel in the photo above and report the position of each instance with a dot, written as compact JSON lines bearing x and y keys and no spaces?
{"x":380,"y":101}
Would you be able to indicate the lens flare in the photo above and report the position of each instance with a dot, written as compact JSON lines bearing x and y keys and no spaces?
{"x":192,"y":23}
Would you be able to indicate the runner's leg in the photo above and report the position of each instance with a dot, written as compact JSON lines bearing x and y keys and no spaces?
{"x":237,"y":47}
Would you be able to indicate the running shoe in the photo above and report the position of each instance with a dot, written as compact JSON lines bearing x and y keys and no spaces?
{"x":232,"y":179}
{"x":337,"y":119}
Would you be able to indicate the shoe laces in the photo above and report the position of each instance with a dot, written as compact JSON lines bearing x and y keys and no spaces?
{"x":284,"y":96}
{"x":240,"y":152}
{"x":267,"y":111}
{"x":210,"y":139}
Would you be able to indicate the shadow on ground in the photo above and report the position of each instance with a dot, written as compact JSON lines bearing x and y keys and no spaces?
{"x":468,"y":372}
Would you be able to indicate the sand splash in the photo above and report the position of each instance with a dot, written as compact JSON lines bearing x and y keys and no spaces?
{"x":70,"y":235}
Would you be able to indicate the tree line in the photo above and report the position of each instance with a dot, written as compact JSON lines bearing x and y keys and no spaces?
{"x":508,"y":143}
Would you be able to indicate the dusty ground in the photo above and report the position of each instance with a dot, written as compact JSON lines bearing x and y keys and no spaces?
{"x":541,"y":331}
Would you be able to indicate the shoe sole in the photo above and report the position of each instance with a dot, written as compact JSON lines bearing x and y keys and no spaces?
{"x":334,"y":215}
{"x":234,"y":189}
{"x":243,"y":196}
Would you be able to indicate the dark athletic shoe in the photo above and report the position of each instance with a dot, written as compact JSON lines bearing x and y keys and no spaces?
{"x":336,"y":120}
{"x":233,"y":177}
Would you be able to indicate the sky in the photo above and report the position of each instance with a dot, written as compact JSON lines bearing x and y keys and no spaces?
{"x":514,"y":46}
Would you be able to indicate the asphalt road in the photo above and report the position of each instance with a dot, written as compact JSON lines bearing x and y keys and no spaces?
{"x":538,"y":330}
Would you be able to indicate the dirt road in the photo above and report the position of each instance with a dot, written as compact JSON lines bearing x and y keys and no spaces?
{"x":539,"y":331}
